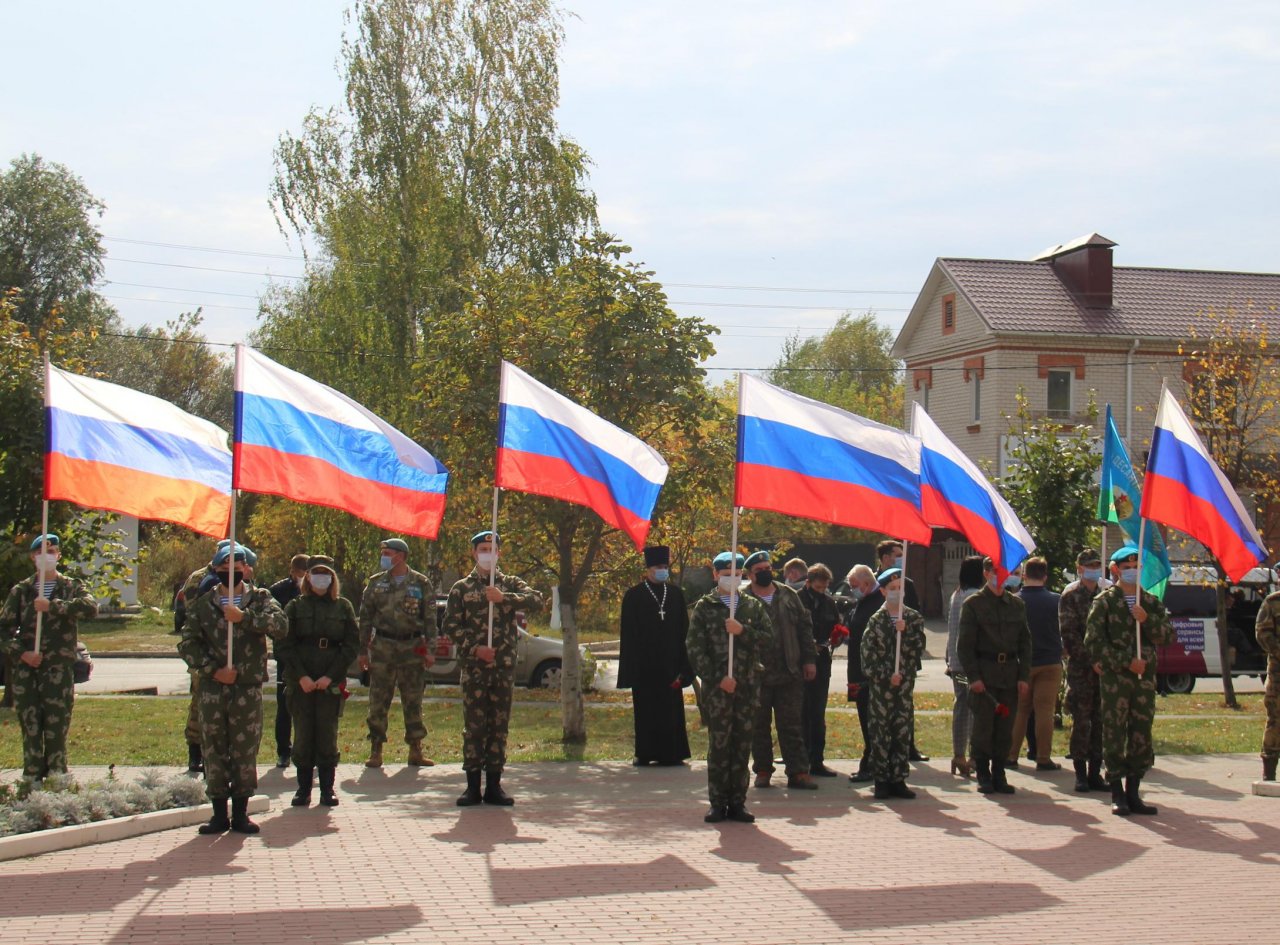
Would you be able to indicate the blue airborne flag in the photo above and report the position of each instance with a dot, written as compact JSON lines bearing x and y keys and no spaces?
{"x":1120,"y":498}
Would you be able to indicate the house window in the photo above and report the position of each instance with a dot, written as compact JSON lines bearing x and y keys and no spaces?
{"x":976,"y":381}
{"x":924,"y":399}
{"x":948,"y":313}
{"x":1059,"y":393}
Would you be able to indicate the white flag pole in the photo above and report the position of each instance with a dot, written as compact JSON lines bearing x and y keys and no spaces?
{"x":1137,"y":591}
{"x":493,"y":570}
{"x":231,"y":581}
{"x":733,"y":571}
{"x":902,"y":602}
{"x":44,"y":530}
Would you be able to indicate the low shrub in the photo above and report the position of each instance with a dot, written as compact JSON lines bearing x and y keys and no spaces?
{"x":62,"y":802}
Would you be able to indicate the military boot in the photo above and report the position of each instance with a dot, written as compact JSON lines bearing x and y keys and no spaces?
{"x":1269,"y":769}
{"x":240,"y":821}
{"x":471,"y":796}
{"x":985,"y":785}
{"x":195,"y":760}
{"x":900,"y":789}
{"x":1082,"y":775}
{"x":493,"y":793}
{"x":999,"y":782}
{"x":375,"y":755}
{"x":882,"y":792}
{"x":416,"y":758}
{"x":218,"y":823}
{"x":306,"y":778}
{"x":1096,"y":782}
{"x":1136,"y":804}
{"x":327,"y":797}
{"x":1119,"y":801}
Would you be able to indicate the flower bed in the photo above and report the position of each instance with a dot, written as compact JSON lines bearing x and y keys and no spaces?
{"x":62,"y":802}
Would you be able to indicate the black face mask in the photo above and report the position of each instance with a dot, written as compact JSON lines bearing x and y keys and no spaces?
{"x":763,"y":577}
{"x":224,"y":577}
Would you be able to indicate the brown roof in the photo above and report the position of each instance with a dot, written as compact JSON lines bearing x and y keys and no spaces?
{"x":1012,"y":295}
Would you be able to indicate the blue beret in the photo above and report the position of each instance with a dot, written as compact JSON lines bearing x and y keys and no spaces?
{"x":726,"y":559}
{"x":51,"y":538}
{"x":1120,"y":554}
{"x":887,"y":575}
{"x":756,"y":557}
{"x":485,"y":536}
{"x":396,"y":544}
{"x":242,"y":554}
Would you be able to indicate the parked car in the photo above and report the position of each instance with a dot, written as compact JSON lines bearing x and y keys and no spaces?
{"x":1192,"y":602}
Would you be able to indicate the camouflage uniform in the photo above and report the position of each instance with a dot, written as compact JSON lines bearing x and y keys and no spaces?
{"x":43,"y":696}
{"x":397,"y":619}
{"x":186,"y":597}
{"x":890,"y":707}
{"x":1128,"y":701}
{"x":230,"y":715}
{"x":487,"y":687}
{"x":1267,"y":631}
{"x":322,"y":639}
{"x":782,"y":685}
{"x":995,"y":649}
{"x":1084,"y":697}
{"x":729,"y":716}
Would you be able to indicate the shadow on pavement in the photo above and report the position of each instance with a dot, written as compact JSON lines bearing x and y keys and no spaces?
{"x":854,"y":909}
{"x":483,"y":829}
{"x":512,"y":887}
{"x":313,"y":926}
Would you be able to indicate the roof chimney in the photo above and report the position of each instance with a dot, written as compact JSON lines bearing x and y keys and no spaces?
{"x":1084,"y":266}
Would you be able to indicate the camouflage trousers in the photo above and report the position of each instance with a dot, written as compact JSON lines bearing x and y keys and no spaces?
{"x":1084,"y":703}
{"x":992,"y":732}
{"x":42,"y":700}
{"x":890,"y":711}
{"x":315,"y":726}
{"x":486,"y":716}
{"x":1128,"y":713}
{"x":392,"y":665}
{"x":1271,"y":734}
{"x":729,"y":722}
{"x":192,"y":731}
{"x":230,"y":729}
{"x":781,"y":703}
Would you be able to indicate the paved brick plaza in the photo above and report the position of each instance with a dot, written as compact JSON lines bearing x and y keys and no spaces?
{"x":607,"y":853}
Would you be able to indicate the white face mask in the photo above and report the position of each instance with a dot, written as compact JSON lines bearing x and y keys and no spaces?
{"x":321,"y":582}
{"x":46,"y":562}
{"x":485,"y":560}
{"x":893,"y":597}
{"x":729,"y":583}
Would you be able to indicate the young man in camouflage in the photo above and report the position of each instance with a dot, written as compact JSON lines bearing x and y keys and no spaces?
{"x":1267,"y":630}
{"x":230,"y":697}
{"x":397,"y":645}
{"x":1084,"y":698}
{"x":729,"y":700}
{"x":1127,"y":680}
{"x":789,"y":663}
{"x":891,"y":679}
{"x":488,"y":668}
{"x":994,"y":647}
{"x":43,"y":684}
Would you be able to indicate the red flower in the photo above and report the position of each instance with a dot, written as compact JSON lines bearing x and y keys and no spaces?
{"x":343,"y":691}
{"x":420,"y":649}
{"x":1002,"y":710}
{"x":839,"y":633}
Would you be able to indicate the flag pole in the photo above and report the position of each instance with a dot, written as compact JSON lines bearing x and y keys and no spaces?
{"x":733,"y":572}
{"x":493,"y":530}
{"x":902,"y":602}
{"x":231,"y":587}
{"x":44,"y":515}
{"x":1137,"y":624}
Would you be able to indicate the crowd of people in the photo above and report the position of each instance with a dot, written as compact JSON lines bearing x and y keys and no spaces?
{"x":758,"y":651}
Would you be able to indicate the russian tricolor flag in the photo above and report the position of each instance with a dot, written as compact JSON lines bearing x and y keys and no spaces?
{"x":111,"y":447}
{"x":805,"y":458}
{"x":301,"y":439}
{"x":1185,"y":489}
{"x":548,"y":445}
{"x":954,"y":494}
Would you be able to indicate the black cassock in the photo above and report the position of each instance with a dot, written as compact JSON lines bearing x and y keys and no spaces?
{"x":652,"y":657}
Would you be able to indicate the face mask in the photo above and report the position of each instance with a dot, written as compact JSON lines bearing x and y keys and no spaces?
{"x":1129,"y":576}
{"x":321,"y":582}
{"x":897,"y":561}
{"x":661,"y":574}
{"x":486,"y":560}
{"x":46,"y":562}
{"x":893,"y":596}
{"x":993,"y":583}
{"x":1013,"y":582}
{"x":1091,"y":574}
{"x":224,"y":577}
{"x":796,"y":585}
{"x":763,"y":577}
{"x":857,"y":593}
{"x":385,"y":562}
{"x":728,"y":583}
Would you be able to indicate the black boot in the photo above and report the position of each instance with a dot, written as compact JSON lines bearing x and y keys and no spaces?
{"x":998,"y":781}
{"x":1269,"y":769}
{"x":218,"y":823}
{"x":493,"y":793}
{"x":900,"y":789}
{"x":327,"y":797}
{"x":306,"y":777}
{"x":195,"y":760}
{"x":1082,"y":775}
{"x":471,"y":796}
{"x":882,"y":791}
{"x":1119,"y":802}
{"x":240,"y":821}
{"x":739,"y":813}
{"x":1096,"y":783}
{"x":985,"y":785}
{"x":1136,"y":804}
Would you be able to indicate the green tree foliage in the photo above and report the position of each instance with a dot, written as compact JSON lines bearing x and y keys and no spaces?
{"x":1052,"y":483}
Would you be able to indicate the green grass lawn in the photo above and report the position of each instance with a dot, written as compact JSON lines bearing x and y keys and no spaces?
{"x":148,"y":731}
{"x":147,"y":632}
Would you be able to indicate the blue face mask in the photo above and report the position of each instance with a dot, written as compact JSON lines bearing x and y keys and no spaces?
{"x":897,"y":561}
{"x":1091,"y":574}
{"x":1013,"y":582}
{"x":661,"y":574}
{"x":1129,"y":576}
{"x":385,"y":562}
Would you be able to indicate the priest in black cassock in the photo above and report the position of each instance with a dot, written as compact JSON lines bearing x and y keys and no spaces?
{"x":653,"y":662}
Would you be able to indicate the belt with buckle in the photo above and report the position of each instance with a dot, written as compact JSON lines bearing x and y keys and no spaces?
{"x":383,"y":634}
{"x":320,"y":642}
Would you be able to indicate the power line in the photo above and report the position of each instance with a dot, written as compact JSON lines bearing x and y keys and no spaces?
{"x":178,"y":288}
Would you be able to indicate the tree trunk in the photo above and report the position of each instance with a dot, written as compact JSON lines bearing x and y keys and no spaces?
{"x":573,"y":715}
{"x":1224,"y":645}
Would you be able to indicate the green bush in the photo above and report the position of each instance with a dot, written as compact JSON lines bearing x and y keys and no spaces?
{"x":61,"y":802}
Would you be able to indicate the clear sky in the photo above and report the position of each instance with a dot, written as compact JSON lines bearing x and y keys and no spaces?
{"x":800,"y":146}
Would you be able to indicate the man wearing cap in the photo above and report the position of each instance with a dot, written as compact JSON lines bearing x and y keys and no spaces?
{"x":1267,"y":631}
{"x":1127,"y":679}
{"x":397,"y":645}
{"x":891,"y":680}
{"x":42,"y":683}
{"x":729,"y":700}
{"x":488,"y":667}
{"x":230,"y":691}
{"x":653,"y":663}
{"x":789,"y":662}
{"x":285,"y":590}
{"x":994,"y":647}
{"x":1084,"y":698}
